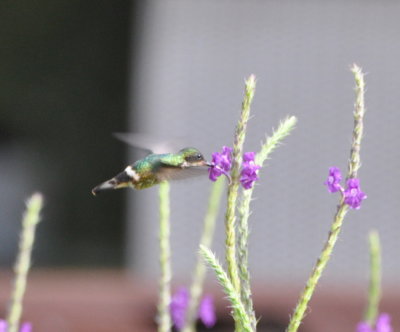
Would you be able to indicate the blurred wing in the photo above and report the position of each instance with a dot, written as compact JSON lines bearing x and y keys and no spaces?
{"x":171,"y":173}
{"x":148,"y":143}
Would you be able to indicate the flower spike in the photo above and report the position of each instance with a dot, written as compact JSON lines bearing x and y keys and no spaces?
{"x":221,"y":164}
{"x":179,"y":305}
{"x":382,"y":325}
{"x":248,"y":175}
{"x":353,"y":196}
{"x":333,"y":181}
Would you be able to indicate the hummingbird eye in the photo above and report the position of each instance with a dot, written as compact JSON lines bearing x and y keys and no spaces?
{"x":194,"y":157}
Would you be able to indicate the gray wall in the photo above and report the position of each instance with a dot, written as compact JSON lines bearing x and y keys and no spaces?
{"x":188,"y":81}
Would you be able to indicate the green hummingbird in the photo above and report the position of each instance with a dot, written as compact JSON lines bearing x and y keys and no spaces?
{"x":156,"y":168}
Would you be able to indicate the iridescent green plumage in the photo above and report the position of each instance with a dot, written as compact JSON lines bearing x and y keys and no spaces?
{"x":156,"y":168}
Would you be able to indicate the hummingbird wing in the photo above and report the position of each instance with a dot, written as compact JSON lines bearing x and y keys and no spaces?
{"x":171,"y":172}
{"x":148,"y":143}
{"x":178,"y":173}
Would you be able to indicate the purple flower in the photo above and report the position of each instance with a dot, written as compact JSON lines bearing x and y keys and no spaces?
{"x":364,"y":327}
{"x":25,"y":327}
{"x":248,"y":156}
{"x":224,"y":159}
{"x":207,"y":311}
{"x":353,"y":196}
{"x":334,"y":178}
{"x":179,"y":304}
{"x":382,"y":325}
{"x":249,"y":170}
{"x":221,"y":163}
{"x":3,"y":325}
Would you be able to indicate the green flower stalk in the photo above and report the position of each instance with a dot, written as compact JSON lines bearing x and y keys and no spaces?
{"x":206,"y":240}
{"x":323,"y":259}
{"x":342,"y":209}
{"x":239,"y":312}
{"x":374,"y":292}
{"x":359,"y":111}
{"x":165,"y":260}
{"x":270,"y":144}
{"x":230,"y":218}
{"x":30,"y":220}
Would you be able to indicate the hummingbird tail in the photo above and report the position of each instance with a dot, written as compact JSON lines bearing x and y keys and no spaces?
{"x":108,"y":185}
{"x":122,"y":180}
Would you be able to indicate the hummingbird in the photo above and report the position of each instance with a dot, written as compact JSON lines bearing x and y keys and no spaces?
{"x":156,"y":168}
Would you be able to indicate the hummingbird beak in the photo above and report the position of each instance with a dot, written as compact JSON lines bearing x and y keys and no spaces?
{"x":200,"y":163}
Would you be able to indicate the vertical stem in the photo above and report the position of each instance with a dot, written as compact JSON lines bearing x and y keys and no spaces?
{"x":243,"y":254}
{"x":359,"y":111}
{"x":318,"y":269}
{"x":230,"y":218}
{"x":239,"y":312}
{"x":165,"y":263}
{"x":374,"y":292}
{"x":270,"y":144}
{"x":200,"y":269}
{"x":23,"y":261}
{"x":353,"y":166}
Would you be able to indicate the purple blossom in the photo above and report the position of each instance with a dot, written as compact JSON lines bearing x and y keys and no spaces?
{"x":207,"y":311}
{"x":364,"y":327}
{"x":382,"y":325}
{"x":25,"y":327}
{"x":221,"y":163}
{"x":179,"y":304}
{"x":334,"y":178}
{"x":248,"y":156}
{"x":353,"y":196}
{"x":3,"y":325}
{"x":248,"y":175}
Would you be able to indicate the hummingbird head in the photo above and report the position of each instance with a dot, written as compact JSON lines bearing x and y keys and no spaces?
{"x":193,"y":157}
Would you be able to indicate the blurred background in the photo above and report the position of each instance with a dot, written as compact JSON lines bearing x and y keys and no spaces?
{"x":73,"y":72}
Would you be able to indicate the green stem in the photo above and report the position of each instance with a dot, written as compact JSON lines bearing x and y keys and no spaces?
{"x":30,"y":220}
{"x":353,"y":166}
{"x":239,"y":312}
{"x":270,"y":144}
{"x":374,"y":293}
{"x":318,"y":268}
{"x":206,"y":240}
{"x":230,"y":218}
{"x":165,"y":263}
{"x":359,"y":111}
{"x":244,"y":273}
